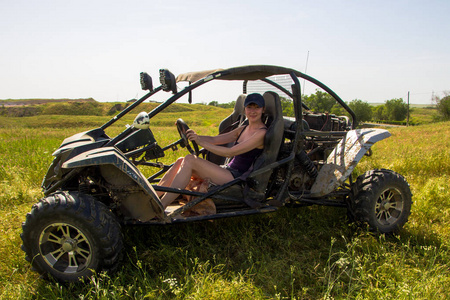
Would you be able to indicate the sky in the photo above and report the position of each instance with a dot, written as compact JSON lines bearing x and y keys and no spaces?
{"x":362,"y":49}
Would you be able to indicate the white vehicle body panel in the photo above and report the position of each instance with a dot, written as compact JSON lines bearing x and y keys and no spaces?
{"x":341,"y":162}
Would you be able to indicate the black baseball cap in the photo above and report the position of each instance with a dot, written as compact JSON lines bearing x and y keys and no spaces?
{"x":254,"y":98}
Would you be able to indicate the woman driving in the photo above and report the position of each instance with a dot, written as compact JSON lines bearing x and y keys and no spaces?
{"x":248,"y":145}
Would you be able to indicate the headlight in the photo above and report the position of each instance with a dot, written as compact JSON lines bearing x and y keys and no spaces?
{"x":146,"y":82}
{"x":168,"y":81}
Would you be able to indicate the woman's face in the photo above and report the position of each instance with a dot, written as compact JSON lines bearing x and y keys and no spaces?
{"x":253,"y":112}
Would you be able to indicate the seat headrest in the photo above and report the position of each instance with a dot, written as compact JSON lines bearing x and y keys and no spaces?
{"x":273,"y":106}
{"x":239,"y":105}
{"x":270,"y":98}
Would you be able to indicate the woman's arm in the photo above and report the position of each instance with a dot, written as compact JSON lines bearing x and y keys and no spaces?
{"x":220,"y":139}
{"x":255,"y":141}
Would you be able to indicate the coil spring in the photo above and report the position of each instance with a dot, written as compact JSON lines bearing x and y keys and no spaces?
{"x":307,"y":164}
{"x":83,"y":188}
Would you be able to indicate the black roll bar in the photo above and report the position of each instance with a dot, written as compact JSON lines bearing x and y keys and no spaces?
{"x":332,"y":93}
{"x":129,"y":108}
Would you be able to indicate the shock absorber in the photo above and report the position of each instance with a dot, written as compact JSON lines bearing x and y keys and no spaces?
{"x":83,"y":187}
{"x":307,"y":164}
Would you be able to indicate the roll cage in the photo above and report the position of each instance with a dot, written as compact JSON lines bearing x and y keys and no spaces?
{"x":246,"y":74}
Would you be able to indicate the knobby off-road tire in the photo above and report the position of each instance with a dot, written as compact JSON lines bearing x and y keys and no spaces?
{"x":69,"y":235}
{"x":382,"y":199}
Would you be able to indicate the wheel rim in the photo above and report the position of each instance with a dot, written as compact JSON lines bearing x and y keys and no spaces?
{"x":65,"y":248}
{"x":389,"y":206}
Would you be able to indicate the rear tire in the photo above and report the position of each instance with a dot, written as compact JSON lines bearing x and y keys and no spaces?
{"x":382,"y":199}
{"x":69,"y":235}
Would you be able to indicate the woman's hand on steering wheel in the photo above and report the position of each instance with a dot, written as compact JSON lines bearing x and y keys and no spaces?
{"x":192,"y":135}
{"x":182,"y":129}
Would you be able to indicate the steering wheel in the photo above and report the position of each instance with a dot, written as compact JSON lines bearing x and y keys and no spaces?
{"x":182,"y":128}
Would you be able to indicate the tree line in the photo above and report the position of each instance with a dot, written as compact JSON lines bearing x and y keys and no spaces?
{"x":394,"y":110}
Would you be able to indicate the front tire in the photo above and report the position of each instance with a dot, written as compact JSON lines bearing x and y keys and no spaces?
{"x":382,"y":199}
{"x":69,"y":235}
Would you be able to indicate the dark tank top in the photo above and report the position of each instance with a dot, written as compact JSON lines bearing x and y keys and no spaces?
{"x":242,"y":162}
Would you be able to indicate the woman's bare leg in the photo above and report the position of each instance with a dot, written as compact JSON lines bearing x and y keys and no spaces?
{"x":203,"y":168}
{"x":167,"y":179}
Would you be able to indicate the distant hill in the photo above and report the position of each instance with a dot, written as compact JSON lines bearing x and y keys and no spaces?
{"x":21,"y":102}
{"x":84,"y":107}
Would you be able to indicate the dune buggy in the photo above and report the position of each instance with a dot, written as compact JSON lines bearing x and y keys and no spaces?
{"x":94,"y":185}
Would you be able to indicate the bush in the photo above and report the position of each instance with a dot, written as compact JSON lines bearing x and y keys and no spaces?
{"x":319,"y":102}
{"x":362,"y":110}
{"x":396,"y":109}
{"x":443,"y":106}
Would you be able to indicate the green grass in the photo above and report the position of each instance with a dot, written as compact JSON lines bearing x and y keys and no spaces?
{"x":423,"y":115}
{"x":302,"y":253}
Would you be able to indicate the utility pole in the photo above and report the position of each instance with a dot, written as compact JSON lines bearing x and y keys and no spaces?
{"x":407,"y":115}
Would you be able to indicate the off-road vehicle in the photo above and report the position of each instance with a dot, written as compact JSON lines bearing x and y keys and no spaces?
{"x":93,"y":187}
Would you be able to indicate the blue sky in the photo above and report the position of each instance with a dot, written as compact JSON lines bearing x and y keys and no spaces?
{"x":368,"y":50}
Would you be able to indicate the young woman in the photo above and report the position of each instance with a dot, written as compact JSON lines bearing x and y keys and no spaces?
{"x":249,"y":143}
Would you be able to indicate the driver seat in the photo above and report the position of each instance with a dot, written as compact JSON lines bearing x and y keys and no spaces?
{"x":229,"y":123}
{"x":236,"y":118}
{"x":258,"y":178}
{"x":253,"y":184}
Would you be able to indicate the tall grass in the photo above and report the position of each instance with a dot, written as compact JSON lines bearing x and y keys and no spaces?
{"x":422,"y":155}
{"x":423,"y":115}
{"x":302,"y":253}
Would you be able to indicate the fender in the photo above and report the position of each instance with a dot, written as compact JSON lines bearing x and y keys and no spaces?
{"x":344,"y":158}
{"x":111,"y":156}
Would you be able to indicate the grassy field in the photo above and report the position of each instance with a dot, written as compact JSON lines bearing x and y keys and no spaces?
{"x":304,"y":253}
{"x":423,"y":115}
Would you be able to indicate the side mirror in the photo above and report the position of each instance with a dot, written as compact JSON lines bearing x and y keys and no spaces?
{"x":146,"y":82}
{"x":168,"y":81}
{"x":142,"y":121}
